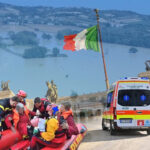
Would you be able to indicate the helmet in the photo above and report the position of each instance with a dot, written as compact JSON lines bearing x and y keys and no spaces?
{"x":22,"y":93}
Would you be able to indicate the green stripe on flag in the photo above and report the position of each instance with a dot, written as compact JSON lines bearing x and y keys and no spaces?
{"x":91,"y":41}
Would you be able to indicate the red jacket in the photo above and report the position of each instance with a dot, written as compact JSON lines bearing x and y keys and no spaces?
{"x":16,"y":115}
{"x":42,"y":108}
{"x":22,"y":124}
{"x":72,"y":130}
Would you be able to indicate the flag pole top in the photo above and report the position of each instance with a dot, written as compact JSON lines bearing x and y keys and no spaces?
{"x":96,"y":10}
{"x":97,"y":13}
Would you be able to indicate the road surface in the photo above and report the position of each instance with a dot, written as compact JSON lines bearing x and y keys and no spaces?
{"x":97,"y":139}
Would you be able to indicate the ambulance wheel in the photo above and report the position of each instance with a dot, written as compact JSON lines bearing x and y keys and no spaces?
{"x":112,"y":130}
{"x":148,"y":132}
{"x":103,"y":125}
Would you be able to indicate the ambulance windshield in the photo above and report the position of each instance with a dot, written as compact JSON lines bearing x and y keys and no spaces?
{"x":135,"y":97}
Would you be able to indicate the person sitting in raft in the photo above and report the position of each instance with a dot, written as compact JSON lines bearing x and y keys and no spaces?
{"x":67,"y":114}
{"x":21,"y":120}
{"x":40,"y":107}
{"x":54,"y":136}
{"x":21,"y":95}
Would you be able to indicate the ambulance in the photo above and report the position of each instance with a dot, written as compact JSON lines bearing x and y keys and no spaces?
{"x":128,"y":105}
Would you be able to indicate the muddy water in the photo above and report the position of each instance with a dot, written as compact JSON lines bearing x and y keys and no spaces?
{"x":90,"y":122}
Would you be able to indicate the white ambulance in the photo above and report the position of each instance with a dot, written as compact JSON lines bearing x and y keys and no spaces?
{"x":128,"y":105}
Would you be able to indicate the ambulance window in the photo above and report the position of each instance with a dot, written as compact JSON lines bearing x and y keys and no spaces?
{"x":143,"y":98}
{"x":124,"y":98}
{"x":137,"y":97}
{"x":109,"y":99}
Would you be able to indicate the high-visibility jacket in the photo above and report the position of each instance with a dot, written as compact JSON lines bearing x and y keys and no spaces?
{"x":16,"y":115}
{"x":5,"y":109}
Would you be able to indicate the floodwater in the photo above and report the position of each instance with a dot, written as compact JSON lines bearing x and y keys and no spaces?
{"x":91,"y":123}
{"x":81,"y":72}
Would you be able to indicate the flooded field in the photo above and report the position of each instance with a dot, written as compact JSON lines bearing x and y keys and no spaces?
{"x":97,"y":139}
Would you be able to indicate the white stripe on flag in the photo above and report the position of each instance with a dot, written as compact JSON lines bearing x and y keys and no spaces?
{"x":80,"y":40}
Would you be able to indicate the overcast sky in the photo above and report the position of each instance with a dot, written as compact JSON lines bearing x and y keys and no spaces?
{"x":139,"y":6}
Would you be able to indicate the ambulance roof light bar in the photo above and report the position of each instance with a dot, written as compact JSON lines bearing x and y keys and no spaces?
{"x":134,"y":78}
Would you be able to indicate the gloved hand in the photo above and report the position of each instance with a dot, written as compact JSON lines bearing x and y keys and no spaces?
{"x":36,"y":131}
{"x":30,"y":131}
{"x":38,"y":113}
{"x":0,"y":135}
{"x":64,"y":125}
{"x":83,"y":129}
{"x":62,"y":120}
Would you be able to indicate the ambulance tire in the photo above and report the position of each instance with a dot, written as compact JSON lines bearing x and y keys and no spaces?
{"x":103,"y":125}
{"x":112,"y":130}
{"x":148,"y":132}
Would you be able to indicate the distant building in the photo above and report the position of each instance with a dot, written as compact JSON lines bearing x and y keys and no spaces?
{"x":6,"y":94}
{"x":92,"y":103}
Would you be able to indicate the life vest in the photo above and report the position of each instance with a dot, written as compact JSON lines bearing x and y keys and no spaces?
{"x":43,"y":108}
{"x":66,"y":114}
{"x":54,"y":132}
{"x":16,"y":115}
{"x":60,"y":135}
{"x":45,"y":102}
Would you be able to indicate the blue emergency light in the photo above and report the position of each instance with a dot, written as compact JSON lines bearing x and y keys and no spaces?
{"x":142,"y":97}
{"x":126,"y":98}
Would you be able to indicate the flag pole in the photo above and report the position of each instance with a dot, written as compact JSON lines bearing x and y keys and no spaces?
{"x":100,"y":38}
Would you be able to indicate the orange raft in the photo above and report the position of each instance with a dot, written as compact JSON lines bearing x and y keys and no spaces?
{"x":71,"y":144}
{"x":9,"y":138}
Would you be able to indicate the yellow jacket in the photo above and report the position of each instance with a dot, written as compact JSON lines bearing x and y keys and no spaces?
{"x":52,"y":126}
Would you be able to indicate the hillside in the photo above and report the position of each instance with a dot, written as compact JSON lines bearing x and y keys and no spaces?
{"x":122,"y":27}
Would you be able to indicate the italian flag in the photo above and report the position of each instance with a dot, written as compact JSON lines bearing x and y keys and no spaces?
{"x":86,"y":39}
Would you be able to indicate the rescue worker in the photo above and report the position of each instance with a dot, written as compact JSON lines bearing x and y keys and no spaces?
{"x":22,"y":117}
{"x":22,"y":95}
{"x":6,"y":111}
{"x":53,"y":137}
{"x":70,"y":125}
{"x":40,"y":104}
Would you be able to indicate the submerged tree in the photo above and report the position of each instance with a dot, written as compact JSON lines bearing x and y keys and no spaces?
{"x":46,"y":36}
{"x":35,"y":52}
{"x":56,"y":51}
{"x":133,"y":50}
{"x":24,"y":38}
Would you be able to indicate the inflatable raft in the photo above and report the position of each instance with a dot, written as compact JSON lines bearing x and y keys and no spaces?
{"x":13,"y":141}
{"x":9,"y":138}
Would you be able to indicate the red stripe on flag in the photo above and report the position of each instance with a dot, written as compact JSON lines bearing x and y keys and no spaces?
{"x":69,"y":42}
